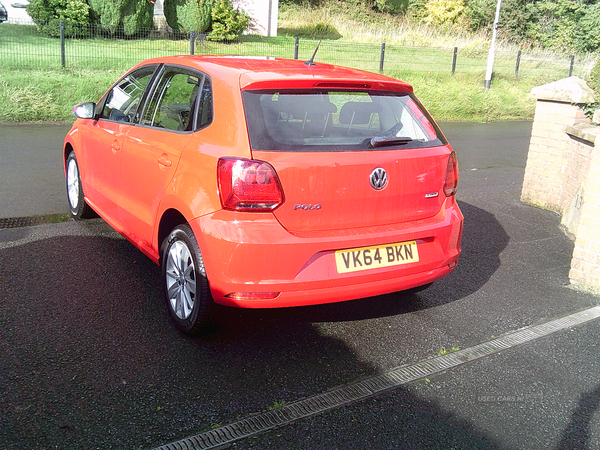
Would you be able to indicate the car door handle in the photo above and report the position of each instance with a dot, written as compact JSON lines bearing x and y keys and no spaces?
{"x":115,"y":147}
{"x":164,"y":160}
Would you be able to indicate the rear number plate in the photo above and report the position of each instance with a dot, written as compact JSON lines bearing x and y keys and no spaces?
{"x":375,"y":257}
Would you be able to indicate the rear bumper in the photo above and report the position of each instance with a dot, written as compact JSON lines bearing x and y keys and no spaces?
{"x":253,"y":254}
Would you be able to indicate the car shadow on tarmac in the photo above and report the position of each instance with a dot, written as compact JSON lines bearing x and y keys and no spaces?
{"x":91,"y":359}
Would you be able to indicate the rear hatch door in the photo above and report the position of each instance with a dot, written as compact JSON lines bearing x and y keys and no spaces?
{"x":348,"y":159}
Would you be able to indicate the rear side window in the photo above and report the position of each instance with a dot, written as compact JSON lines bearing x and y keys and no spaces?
{"x":172,"y":103}
{"x":181,"y":101}
{"x":336,"y":121}
{"x":205,"y":105}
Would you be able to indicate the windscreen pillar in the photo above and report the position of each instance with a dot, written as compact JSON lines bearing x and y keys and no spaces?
{"x":563,"y":171}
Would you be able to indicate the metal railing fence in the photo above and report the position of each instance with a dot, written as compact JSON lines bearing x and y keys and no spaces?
{"x":58,"y":45}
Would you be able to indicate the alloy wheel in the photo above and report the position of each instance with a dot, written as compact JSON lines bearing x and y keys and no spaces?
{"x":180,"y":279}
{"x":73,"y":184}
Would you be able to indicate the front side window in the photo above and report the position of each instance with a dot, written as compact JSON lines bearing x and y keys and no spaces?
{"x":175,"y":99}
{"x":336,"y":121}
{"x":124,"y":98}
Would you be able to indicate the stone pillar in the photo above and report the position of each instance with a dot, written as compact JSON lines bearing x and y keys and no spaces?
{"x":563,"y":172}
{"x":557,"y":107}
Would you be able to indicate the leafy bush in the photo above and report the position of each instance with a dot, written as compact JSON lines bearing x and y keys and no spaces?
{"x":189,"y":15}
{"x":384,"y":6}
{"x":227,"y":23}
{"x":479,"y":14}
{"x":417,"y":10}
{"x":299,"y":2}
{"x":560,"y":24}
{"x":47,"y":14}
{"x":137,"y":17}
{"x":516,"y":18}
{"x":588,"y":31}
{"x":553,"y":23}
{"x":127,"y":16}
{"x":444,"y":11}
{"x":391,"y":6}
{"x":594,"y":79}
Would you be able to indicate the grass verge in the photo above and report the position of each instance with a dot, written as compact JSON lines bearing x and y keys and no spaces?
{"x":463,"y":98}
{"x":34,"y":87}
{"x":49,"y":95}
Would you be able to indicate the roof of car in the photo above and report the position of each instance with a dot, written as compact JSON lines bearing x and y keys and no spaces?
{"x":267,"y":72}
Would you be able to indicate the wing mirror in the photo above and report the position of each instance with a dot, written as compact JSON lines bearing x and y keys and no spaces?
{"x":85,"y":110}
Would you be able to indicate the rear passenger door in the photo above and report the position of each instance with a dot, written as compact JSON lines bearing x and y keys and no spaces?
{"x":152,"y":149}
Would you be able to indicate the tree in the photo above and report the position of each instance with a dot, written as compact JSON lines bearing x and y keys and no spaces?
{"x":116,"y":16}
{"x":47,"y":14}
{"x":587,"y":35}
{"x":217,"y":17}
{"x":227,"y":23}
{"x":189,"y":15}
{"x":127,"y":16}
{"x":568,"y":25}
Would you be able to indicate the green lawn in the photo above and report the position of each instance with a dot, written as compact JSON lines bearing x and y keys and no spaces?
{"x":35,"y":87}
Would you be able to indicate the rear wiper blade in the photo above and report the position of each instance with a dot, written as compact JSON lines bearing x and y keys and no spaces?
{"x":379,"y":141}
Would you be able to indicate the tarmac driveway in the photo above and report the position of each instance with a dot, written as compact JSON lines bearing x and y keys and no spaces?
{"x":88,"y":358}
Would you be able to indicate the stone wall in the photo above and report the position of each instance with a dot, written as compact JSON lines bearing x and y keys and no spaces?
{"x":585,"y":265}
{"x":563,"y":172}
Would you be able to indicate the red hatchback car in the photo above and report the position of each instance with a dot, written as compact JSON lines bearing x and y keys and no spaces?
{"x":261,"y":182}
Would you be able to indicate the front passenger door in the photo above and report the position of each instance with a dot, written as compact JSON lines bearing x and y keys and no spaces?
{"x":152,"y":149}
{"x":104,"y":139}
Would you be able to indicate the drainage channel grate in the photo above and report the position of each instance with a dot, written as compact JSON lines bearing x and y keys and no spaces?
{"x":371,"y":386}
{"x":18,"y":222}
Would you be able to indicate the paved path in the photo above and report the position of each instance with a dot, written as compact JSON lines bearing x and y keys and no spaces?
{"x":31,"y":173}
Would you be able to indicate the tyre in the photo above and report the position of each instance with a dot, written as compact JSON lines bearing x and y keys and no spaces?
{"x":184,"y":279}
{"x":77,"y":205}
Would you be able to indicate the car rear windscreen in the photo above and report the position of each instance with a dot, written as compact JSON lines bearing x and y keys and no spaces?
{"x":337,"y":121}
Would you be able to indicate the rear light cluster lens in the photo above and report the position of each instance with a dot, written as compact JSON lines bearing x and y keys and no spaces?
{"x":451,"y":182}
{"x":248,"y":185}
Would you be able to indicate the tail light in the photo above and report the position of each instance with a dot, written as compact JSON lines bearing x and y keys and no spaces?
{"x":451,"y":182}
{"x":248,"y":185}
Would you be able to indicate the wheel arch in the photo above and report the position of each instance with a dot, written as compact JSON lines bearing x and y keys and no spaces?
{"x":67,"y":150}
{"x":169,"y":220}
{"x":73,"y":143}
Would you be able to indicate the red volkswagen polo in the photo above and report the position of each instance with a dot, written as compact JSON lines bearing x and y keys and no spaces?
{"x":260,"y":182}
